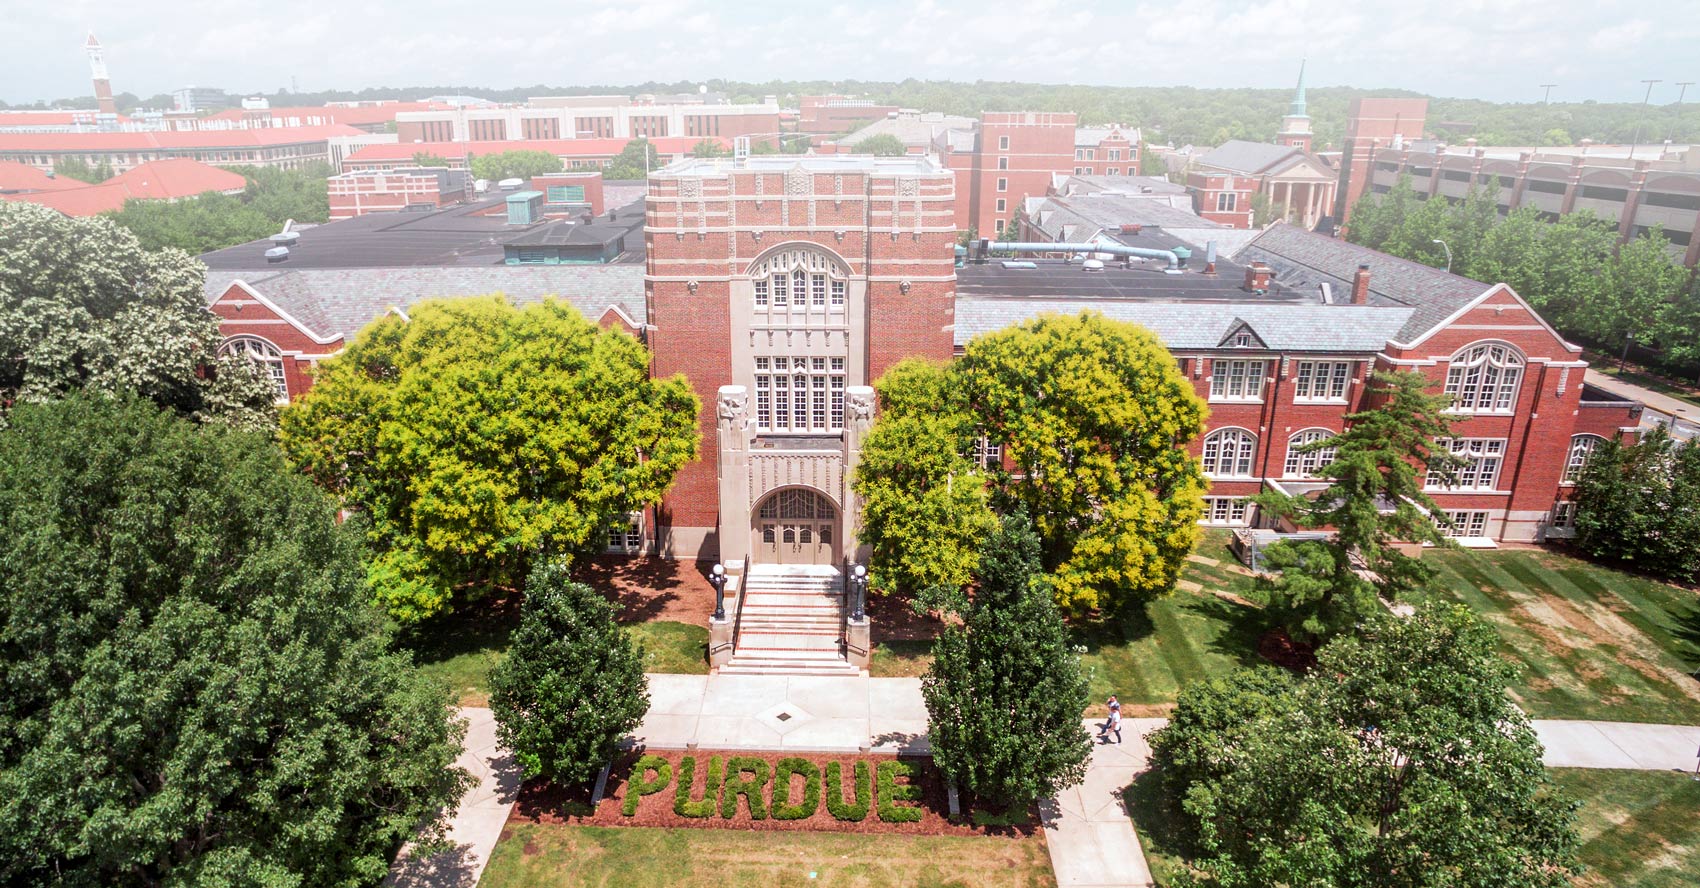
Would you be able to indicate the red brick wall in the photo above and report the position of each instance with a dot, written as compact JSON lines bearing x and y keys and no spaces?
{"x":240,"y":314}
{"x":1206,"y":189}
{"x":592,"y":183}
{"x":1371,"y":123}
{"x":1035,"y":145}
{"x":1101,"y":163}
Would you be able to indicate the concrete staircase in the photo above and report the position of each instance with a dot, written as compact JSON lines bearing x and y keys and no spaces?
{"x":792,"y":623}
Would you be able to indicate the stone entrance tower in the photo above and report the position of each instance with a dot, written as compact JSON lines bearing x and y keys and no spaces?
{"x":782,"y":286}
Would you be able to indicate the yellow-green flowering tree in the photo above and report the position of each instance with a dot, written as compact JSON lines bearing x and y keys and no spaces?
{"x":476,"y":437}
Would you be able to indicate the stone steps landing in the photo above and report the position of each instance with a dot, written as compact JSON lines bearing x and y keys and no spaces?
{"x":792,"y":623}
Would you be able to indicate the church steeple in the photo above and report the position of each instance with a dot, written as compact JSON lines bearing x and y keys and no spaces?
{"x":1295,"y":127}
{"x":1297,"y":108}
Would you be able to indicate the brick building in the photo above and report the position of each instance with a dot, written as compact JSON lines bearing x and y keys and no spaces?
{"x":1373,"y":124}
{"x":574,"y":153}
{"x":379,"y":191}
{"x":589,"y":117}
{"x":283,"y":147}
{"x":166,"y":180}
{"x":1106,"y":151}
{"x":825,"y":115}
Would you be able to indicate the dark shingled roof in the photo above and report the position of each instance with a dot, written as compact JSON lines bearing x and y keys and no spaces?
{"x":1245,"y":157}
{"x":344,"y":300}
{"x":1204,"y":325}
{"x":1304,"y":259}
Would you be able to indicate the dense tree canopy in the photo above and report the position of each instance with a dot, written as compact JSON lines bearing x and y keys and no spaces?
{"x":1092,"y":415}
{"x":83,"y":304}
{"x":213,"y":220}
{"x":881,"y":145}
{"x":924,"y":498}
{"x":1638,"y":504}
{"x":633,"y":162}
{"x":197,"y":691}
{"x":571,"y":685}
{"x":1589,"y":287}
{"x":1399,"y":762}
{"x":1005,"y":691}
{"x":476,"y":436}
{"x":517,"y":164}
{"x":1374,"y":499}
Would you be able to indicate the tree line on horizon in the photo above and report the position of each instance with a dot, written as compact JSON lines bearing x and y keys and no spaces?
{"x":1177,"y":115}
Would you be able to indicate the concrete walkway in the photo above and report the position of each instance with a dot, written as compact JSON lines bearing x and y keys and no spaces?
{"x":805,"y":713}
{"x":1087,"y":827}
{"x":477,"y":824}
{"x":1624,"y":745}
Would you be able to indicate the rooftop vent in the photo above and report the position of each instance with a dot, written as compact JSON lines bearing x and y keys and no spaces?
{"x":1020,"y":263}
{"x":1092,"y":265}
{"x":277,"y":254}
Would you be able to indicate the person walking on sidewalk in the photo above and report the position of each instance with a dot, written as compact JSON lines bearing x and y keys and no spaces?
{"x":1112,"y":725}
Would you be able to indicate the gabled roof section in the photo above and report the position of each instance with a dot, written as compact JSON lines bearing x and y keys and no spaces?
{"x":338,"y":303}
{"x":1235,"y":329}
{"x":1304,"y":259}
{"x":1246,"y":158}
{"x":1203,"y":326}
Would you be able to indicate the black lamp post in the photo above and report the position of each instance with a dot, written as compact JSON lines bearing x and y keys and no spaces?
{"x":859,"y":582}
{"x":717,"y":578}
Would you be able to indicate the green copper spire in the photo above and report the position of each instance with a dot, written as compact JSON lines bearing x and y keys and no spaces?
{"x":1297,"y":108}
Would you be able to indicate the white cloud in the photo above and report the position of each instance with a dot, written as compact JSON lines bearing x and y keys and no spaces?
{"x":1490,"y":48}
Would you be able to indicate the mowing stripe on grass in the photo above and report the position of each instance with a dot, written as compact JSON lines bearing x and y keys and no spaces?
{"x":1182,"y":657}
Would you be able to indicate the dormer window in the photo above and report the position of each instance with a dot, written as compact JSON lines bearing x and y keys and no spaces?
{"x":1242,"y":340}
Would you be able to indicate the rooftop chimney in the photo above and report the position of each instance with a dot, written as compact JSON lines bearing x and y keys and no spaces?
{"x":1257,"y":276}
{"x":1360,"y":286}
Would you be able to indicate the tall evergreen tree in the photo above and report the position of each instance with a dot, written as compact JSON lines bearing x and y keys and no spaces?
{"x":1005,"y":691}
{"x":572,"y":683}
{"x":1374,"y":498}
{"x":1639,"y":504}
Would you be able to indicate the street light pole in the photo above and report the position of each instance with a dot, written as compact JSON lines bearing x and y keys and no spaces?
{"x":1623,"y":362}
{"x":717,"y":578}
{"x":1682,"y":89}
{"x":1448,"y":250}
{"x":1644,"y":100}
{"x":859,"y":582}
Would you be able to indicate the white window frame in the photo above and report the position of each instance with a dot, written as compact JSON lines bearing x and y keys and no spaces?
{"x":986,"y":454}
{"x":626,"y":537}
{"x":265,"y":353}
{"x":799,"y":394}
{"x":1003,"y":184}
{"x":1002,"y":205}
{"x":1582,"y":448}
{"x":1231,"y":448}
{"x":1322,"y":381}
{"x":1227,"y":202}
{"x":1563,"y":515}
{"x":1464,"y":524}
{"x":1238,"y":379}
{"x":1226,"y":511}
{"x":1003,"y":143}
{"x":1483,"y":458}
{"x":798,"y":281}
{"x":1304,"y":464}
{"x":1003,"y":163}
{"x":1484,"y":377}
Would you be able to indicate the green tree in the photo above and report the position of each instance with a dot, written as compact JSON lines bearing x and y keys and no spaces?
{"x":1401,"y":761}
{"x":81,"y":170}
{"x":1638,"y":504}
{"x":1150,"y":163}
{"x":1005,"y":690}
{"x":571,"y":685}
{"x":478,"y":437}
{"x":1374,"y":499}
{"x":709,"y":148}
{"x":1263,"y":210}
{"x":428,"y":159}
{"x":197,"y":691}
{"x":519,"y":164}
{"x":924,"y":500}
{"x":1094,"y":415}
{"x":634,"y":161}
{"x":213,"y":220}
{"x":882,"y":145}
{"x":84,"y":305}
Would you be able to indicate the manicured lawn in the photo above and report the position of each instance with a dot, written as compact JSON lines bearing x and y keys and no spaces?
{"x":547,"y":855}
{"x":461,"y":649}
{"x":1638,"y":828}
{"x":900,"y":658}
{"x":1593,"y":643}
{"x":1155,"y":827}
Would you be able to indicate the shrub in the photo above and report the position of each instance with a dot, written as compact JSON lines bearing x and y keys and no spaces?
{"x":891,"y":792}
{"x":849,"y":813}
{"x":736,"y":784}
{"x":637,"y":787}
{"x":782,"y":807}
{"x":683,"y":804}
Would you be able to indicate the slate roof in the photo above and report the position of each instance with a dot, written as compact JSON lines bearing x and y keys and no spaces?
{"x":1204,"y":325}
{"x":342,"y":301}
{"x":1303,"y":259}
{"x":1239,"y":156}
{"x":1082,"y":215}
{"x":911,"y":129}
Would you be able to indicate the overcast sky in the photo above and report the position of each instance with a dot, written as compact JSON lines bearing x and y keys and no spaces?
{"x":1495,"y":49}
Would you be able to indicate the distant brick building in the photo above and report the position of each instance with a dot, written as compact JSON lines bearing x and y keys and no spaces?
{"x":379,"y":191}
{"x":1373,"y":124}
{"x":1106,"y":151}
{"x":575,"y":154}
{"x":836,"y":114}
{"x":284,"y":147}
{"x":590,"y":117}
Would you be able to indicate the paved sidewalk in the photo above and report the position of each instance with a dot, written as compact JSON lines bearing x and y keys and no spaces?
{"x":477,"y":824}
{"x":1626,"y":745}
{"x":806,"y":713}
{"x":1087,"y":828}
{"x":1663,"y":403}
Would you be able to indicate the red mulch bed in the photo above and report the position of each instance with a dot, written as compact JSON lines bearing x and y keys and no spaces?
{"x":895,"y":620}
{"x":543,"y":802}
{"x":1276,"y":647}
{"x":648,"y":589}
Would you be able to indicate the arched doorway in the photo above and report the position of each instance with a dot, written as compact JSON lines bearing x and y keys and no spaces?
{"x":796,"y":526}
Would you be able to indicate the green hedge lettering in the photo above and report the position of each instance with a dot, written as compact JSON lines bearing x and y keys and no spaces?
{"x":683,"y":804}
{"x":750,"y":787}
{"x":891,"y":792}
{"x":782,"y":807}
{"x":638,"y":787}
{"x":840,"y":810}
